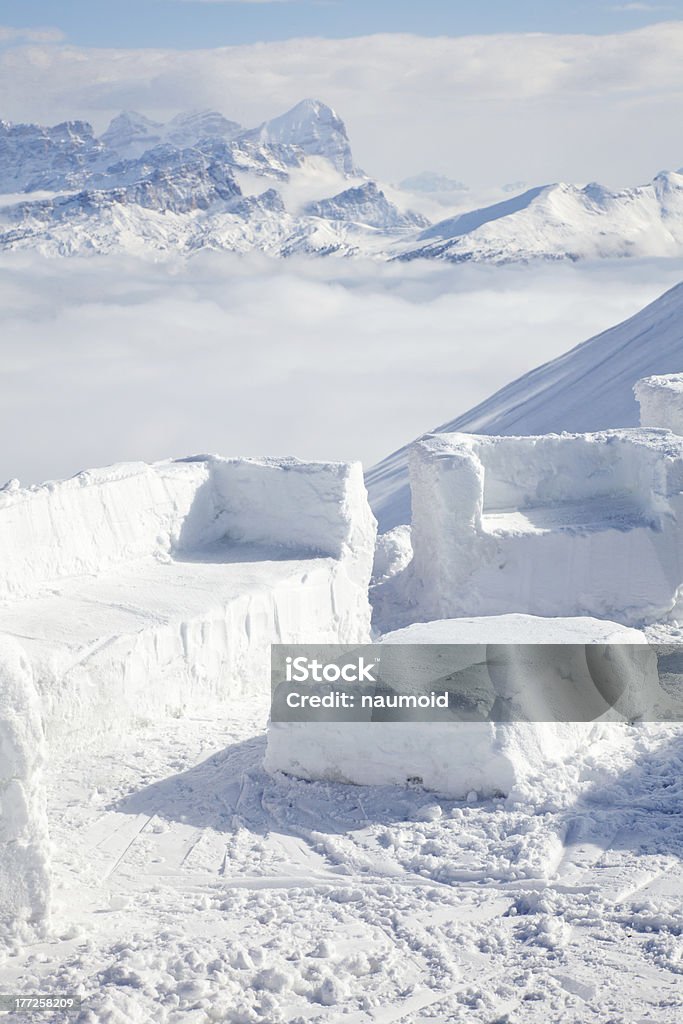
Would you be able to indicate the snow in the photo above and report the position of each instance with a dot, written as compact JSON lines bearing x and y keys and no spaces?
{"x":137,"y":592}
{"x":516,"y":628}
{"x":548,"y":222}
{"x":366,"y":205}
{"x":563,"y":221}
{"x":24,"y":844}
{"x":192,"y":884}
{"x":555,"y":694}
{"x":571,"y":393}
{"x":571,"y":524}
{"x":661,"y":401}
{"x":393,"y":553}
{"x":312,"y":126}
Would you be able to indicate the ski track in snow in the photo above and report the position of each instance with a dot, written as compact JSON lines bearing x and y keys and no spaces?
{"x":204,"y":890}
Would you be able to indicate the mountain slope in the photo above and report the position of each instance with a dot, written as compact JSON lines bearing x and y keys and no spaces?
{"x":34,"y":157}
{"x":564,"y":222}
{"x":588,"y":388}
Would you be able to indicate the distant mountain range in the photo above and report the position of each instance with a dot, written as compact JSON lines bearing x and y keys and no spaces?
{"x":201,"y":181}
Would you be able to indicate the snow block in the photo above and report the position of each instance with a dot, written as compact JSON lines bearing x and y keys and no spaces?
{"x":489,"y":758}
{"x":661,"y":401}
{"x":24,"y":848}
{"x":555,"y":525}
{"x":141,"y":590}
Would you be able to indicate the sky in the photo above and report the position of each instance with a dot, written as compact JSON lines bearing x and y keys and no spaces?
{"x":542,"y":92}
{"x":186,"y":24}
{"x":486,"y":110}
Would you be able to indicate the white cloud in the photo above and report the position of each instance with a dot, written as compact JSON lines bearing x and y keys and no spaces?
{"x":9,"y":34}
{"x":641,"y":7}
{"x":111,"y":359}
{"x":483,"y":109}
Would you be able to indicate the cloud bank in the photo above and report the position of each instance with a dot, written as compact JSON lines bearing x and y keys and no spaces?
{"x":112,"y":359}
{"x":485,"y":109}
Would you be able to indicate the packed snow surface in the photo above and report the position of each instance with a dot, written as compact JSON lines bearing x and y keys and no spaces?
{"x":193,"y":886}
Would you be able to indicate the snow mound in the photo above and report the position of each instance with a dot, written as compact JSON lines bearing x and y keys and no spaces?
{"x":142,"y":590}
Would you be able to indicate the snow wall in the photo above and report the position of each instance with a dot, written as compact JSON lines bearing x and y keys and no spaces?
{"x":24,"y":847}
{"x":142,"y":590}
{"x":661,"y":401}
{"x":489,"y":758}
{"x":556,"y":525}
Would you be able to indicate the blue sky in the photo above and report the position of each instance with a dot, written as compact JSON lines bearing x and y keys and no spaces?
{"x":185,"y":24}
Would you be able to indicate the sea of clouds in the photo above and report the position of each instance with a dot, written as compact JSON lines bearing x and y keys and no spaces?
{"x":112,"y":359}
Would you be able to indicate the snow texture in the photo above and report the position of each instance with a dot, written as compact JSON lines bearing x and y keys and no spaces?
{"x":24,"y":846}
{"x":485,"y":758}
{"x":661,"y":401}
{"x":571,"y":524}
{"x":140,"y":591}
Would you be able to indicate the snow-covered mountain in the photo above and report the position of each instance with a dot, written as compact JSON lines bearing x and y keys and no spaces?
{"x":589,"y":388}
{"x":33,"y":157}
{"x":564,"y":222}
{"x":366,"y":205}
{"x":312,"y":126}
{"x":199,"y":181}
{"x":130,"y":135}
{"x":147,"y":185}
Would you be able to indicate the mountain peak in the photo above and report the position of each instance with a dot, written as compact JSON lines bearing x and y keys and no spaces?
{"x":187,"y":128}
{"x":130,"y":133}
{"x":315,"y":128}
{"x":366,"y":204}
